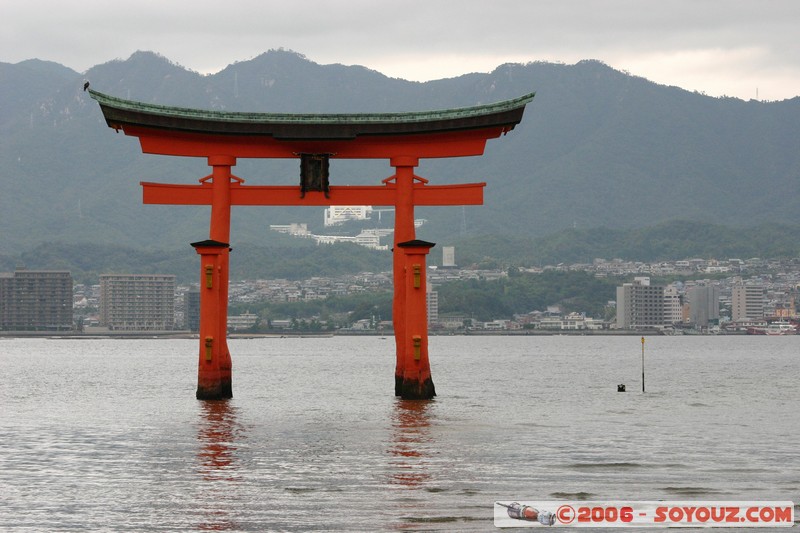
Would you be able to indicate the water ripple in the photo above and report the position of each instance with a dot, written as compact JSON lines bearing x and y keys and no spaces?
{"x":99,"y":435}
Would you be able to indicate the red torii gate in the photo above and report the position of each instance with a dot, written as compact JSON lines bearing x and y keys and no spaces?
{"x":402,"y":138}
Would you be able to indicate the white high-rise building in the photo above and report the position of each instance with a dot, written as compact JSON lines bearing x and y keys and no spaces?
{"x":448,"y":256}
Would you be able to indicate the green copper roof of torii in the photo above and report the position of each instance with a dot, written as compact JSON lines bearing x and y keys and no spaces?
{"x":120,"y":113}
{"x":313,"y":118}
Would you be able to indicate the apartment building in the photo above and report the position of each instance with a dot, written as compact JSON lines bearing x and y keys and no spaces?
{"x":747,"y":302}
{"x":432,"y":304}
{"x":640,"y":305}
{"x":36,"y":300}
{"x":191,"y":309}
{"x":137,"y":302}
{"x":673,"y":305}
{"x":703,"y":303}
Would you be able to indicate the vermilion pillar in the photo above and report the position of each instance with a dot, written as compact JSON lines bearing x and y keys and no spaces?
{"x":416,"y":382}
{"x":403,"y":231}
{"x":220,"y":231}
{"x":214,"y":370}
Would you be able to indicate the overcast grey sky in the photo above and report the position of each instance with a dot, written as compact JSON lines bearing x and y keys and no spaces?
{"x":720,"y":47}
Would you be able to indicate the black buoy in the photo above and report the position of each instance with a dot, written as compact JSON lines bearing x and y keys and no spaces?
{"x":621,"y":387}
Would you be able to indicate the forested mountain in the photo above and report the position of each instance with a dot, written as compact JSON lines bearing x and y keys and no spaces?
{"x":597,"y":148}
{"x":300,"y":259}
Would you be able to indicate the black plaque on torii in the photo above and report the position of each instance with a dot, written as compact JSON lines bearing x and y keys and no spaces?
{"x":314,"y":173}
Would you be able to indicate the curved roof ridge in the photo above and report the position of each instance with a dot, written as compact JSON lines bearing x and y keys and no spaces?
{"x":318,"y":118}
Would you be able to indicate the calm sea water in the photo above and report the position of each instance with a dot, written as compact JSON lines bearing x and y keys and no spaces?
{"x":107,"y":435}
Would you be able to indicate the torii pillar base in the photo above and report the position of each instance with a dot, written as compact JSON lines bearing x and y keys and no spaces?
{"x":214,"y":377}
{"x":412,"y":389}
{"x":414,"y":381}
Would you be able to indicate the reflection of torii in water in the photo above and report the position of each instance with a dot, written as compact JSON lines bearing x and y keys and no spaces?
{"x":219,"y":435}
{"x":409,"y":445}
{"x":401,"y":138}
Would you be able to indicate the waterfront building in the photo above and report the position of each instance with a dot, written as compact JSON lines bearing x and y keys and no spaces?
{"x":432,"y":301}
{"x":747,"y":302}
{"x":137,"y":302}
{"x":453,"y":321}
{"x":640,"y":305}
{"x":550,"y":322}
{"x":36,"y":300}
{"x":244,"y":321}
{"x":191,"y":309}
{"x":673,"y":306}
{"x":574,"y":321}
{"x":703,"y":302}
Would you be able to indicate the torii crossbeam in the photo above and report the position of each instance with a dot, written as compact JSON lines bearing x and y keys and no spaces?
{"x":402,"y":138}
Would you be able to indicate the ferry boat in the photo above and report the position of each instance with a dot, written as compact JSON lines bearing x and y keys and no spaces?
{"x":781,"y":327}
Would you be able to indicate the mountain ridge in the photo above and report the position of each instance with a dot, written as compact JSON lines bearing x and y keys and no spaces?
{"x":596,"y":148}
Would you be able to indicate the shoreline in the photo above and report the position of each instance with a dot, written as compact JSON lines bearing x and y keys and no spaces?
{"x":287,"y":334}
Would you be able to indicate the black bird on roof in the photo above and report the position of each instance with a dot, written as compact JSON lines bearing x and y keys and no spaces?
{"x":85,"y":86}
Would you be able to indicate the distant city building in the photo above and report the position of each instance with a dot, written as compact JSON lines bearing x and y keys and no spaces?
{"x":339,"y":214}
{"x":673,"y":307}
{"x":455,"y":321}
{"x":369,"y":238}
{"x":785,"y":309}
{"x":36,"y":300}
{"x":331,"y":239}
{"x":137,"y":302}
{"x":573,"y":321}
{"x":550,"y":322}
{"x":449,"y":256}
{"x":191,"y":309}
{"x":244,"y":321}
{"x":703,"y":303}
{"x":297,"y":230}
{"x":640,"y":305}
{"x":747,"y":302}
{"x":432,"y":300}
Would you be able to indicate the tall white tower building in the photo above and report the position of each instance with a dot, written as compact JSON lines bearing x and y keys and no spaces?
{"x":448,"y":256}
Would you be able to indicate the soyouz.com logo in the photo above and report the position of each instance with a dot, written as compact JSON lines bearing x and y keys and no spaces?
{"x":736,"y":514}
